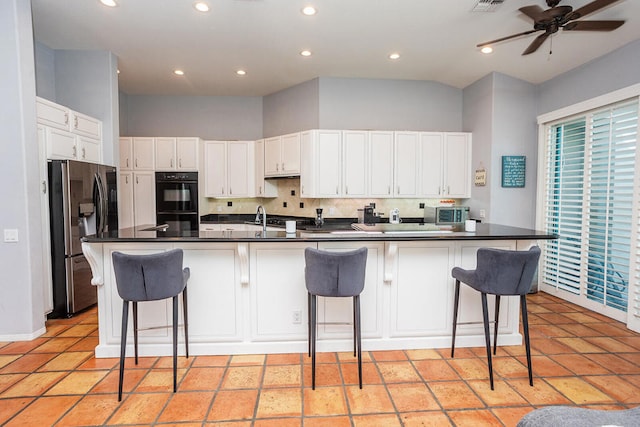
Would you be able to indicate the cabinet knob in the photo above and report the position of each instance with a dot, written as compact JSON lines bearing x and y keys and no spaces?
{"x":127,"y":163}
{"x":136,"y":162}
{"x":66,"y":118}
{"x":75,"y":151}
{"x":136,"y":180}
{"x":126,"y":179}
{"x":84,"y":153}
{"x":388,"y":189}
{"x":230,"y":191}
{"x":398,"y":189}
{"x":260,"y":190}
{"x":44,"y":187}
{"x":75,"y":122}
{"x":277,"y":167}
{"x":180,"y":163}
{"x":283,"y":167}
{"x":170,"y":163}
{"x":336,"y":189}
{"x":448,"y":190}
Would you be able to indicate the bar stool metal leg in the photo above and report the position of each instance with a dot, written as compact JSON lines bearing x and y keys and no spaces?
{"x":495,"y":325}
{"x":485,"y":318}
{"x":525,"y":327}
{"x":312,"y":338}
{"x":175,"y":343}
{"x":456,"y":298}
{"x":123,"y":345}
{"x":135,"y":330}
{"x":358,"y":335}
{"x":186,"y":321}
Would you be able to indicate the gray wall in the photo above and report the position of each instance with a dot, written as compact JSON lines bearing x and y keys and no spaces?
{"x":209,"y":117}
{"x":21,"y":307}
{"x":477,"y":117}
{"x":500,"y":111}
{"x":87,"y":82}
{"x":45,"y":72}
{"x":616,"y":70}
{"x":291,"y":110}
{"x":514,"y":133}
{"x":389,"y":105}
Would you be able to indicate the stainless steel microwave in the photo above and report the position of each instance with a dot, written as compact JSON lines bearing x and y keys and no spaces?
{"x":451,"y":214}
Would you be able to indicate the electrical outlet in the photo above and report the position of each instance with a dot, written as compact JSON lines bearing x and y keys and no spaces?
{"x":332,"y":211}
{"x":421,"y":206}
{"x":296,"y":317}
{"x":482,"y":213}
{"x":10,"y":235}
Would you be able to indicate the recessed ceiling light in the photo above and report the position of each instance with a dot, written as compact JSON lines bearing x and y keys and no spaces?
{"x":178,"y":72}
{"x":486,"y":49}
{"x":309,"y":10}
{"x":241,"y":72}
{"x":110,"y":3}
{"x":201,"y":6}
{"x":394,"y":56}
{"x":305,"y":53}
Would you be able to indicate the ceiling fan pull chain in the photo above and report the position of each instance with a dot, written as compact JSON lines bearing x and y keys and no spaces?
{"x":550,"y":48}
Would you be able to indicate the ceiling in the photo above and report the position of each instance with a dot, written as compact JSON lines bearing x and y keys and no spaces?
{"x":436,"y":40}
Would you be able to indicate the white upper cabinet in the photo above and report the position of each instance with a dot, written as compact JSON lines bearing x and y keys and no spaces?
{"x":69,"y":134}
{"x":380,"y":166}
{"x":355,"y":152}
{"x":229,"y":168}
{"x":407,"y":164}
{"x":176,"y":154}
{"x":333,"y":163}
{"x":282,"y":155}
{"x":126,"y":153}
{"x":144,"y":154}
{"x":457,"y":164}
{"x":264,"y":188}
{"x":432,"y":147}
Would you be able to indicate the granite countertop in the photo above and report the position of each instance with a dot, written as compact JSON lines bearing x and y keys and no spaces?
{"x":483,"y":231}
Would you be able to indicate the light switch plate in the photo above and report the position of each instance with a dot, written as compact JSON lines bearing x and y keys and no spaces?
{"x":11,"y":235}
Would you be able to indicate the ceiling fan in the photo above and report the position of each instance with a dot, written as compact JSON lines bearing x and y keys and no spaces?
{"x":556,"y":17}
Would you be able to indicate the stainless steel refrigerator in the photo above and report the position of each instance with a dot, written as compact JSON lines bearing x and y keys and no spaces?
{"x":82,"y":201}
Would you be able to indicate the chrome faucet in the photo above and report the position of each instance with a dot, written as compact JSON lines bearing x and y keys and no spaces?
{"x":262,"y":210}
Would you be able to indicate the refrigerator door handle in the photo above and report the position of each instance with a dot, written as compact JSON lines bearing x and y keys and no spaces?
{"x":100,"y":204}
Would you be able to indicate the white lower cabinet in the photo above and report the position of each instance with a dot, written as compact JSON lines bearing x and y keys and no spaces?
{"x":277,"y":291}
{"x":421,"y":285}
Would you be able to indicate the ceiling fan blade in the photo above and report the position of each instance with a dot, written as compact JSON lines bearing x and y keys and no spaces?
{"x":592,"y":25}
{"x":506,"y":38}
{"x":534,"y":12}
{"x":536,"y":43}
{"x":590,"y":8}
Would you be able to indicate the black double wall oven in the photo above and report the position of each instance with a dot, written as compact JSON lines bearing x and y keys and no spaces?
{"x":177,"y":200}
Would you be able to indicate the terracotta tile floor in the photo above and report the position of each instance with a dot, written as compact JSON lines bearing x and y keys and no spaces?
{"x":579,"y":358}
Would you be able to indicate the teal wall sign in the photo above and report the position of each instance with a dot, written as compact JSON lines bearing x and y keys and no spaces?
{"x":513,"y":171}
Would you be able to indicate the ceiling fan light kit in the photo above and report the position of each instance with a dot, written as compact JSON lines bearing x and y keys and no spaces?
{"x":551,"y":20}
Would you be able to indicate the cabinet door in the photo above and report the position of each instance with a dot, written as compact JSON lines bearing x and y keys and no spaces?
{"x":355,"y":146}
{"x":165,"y":154}
{"x":272,"y":156}
{"x":85,"y":125}
{"x":406,"y":164}
{"x":215,"y":168}
{"x":187,"y":153}
{"x":51,"y":114}
{"x":90,"y":149}
{"x":307,"y":167}
{"x":380,"y":164}
{"x":144,"y":154}
{"x":431,"y":162}
{"x":126,"y":153}
{"x":329,"y":161}
{"x":61,"y":144}
{"x":144,"y":196}
{"x":422,"y":289}
{"x":125,"y":200}
{"x":290,"y":154}
{"x":457,"y":165}
{"x":263,"y":188}
{"x":237,"y":168}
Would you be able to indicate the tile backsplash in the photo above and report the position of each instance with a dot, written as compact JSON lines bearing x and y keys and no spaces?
{"x":289,"y":203}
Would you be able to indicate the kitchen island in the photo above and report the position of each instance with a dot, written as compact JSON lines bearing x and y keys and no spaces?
{"x":247,"y":292}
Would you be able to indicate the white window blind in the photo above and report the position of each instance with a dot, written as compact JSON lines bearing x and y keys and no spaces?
{"x":589,"y":186}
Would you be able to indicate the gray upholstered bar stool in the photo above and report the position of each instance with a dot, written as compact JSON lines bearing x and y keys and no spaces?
{"x":334,"y":274}
{"x":150,"y":278}
{"x":498,"y":272}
